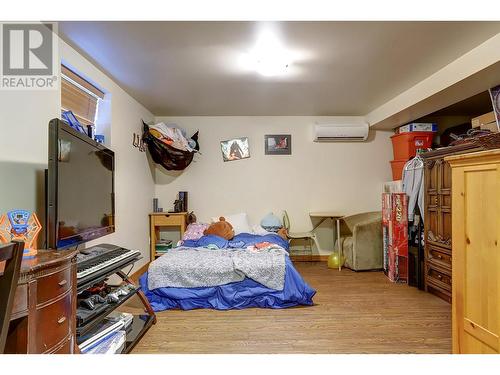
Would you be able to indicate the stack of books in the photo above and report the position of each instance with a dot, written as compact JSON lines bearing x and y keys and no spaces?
{"x":163,"y":246}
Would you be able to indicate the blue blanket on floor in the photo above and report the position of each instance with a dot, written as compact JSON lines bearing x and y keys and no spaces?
{"x":237,"y":295}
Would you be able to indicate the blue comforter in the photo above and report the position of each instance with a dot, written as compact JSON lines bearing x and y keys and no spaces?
{"x":238,"y":295}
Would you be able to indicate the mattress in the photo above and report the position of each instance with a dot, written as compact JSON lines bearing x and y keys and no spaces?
{"x":237,"y":295}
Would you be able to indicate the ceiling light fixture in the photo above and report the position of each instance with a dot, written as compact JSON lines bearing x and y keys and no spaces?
{"x":268,"y":57}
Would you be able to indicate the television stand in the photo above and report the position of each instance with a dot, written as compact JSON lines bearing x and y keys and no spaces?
{"x":89,"y":322}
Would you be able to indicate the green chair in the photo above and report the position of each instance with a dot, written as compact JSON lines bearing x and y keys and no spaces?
{"x":361,"y":242}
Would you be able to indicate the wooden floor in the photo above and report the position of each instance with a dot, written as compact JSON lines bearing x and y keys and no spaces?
{"x":353,"y":313}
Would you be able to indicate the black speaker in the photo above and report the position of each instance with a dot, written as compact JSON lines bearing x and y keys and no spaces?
{"x":183,"y":197}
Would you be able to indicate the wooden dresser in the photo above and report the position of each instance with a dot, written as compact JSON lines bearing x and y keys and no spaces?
{"x":476,"y":252}
{"x":438,"y":219}
{"x":44,"y":313}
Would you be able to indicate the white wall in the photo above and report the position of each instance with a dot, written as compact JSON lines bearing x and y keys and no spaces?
{"x":340,"y":177}
{"x":24,"y":117}
{"x":134,"y":185}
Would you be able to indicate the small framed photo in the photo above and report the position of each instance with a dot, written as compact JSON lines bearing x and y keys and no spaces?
{"x":278,"y":144}
{"x":235,"y":149}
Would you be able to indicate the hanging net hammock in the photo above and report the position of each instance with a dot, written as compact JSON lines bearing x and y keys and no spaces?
{"x":171,"y":158}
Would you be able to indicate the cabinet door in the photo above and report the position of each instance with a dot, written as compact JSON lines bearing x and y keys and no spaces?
{"x":433,"y":183}
{"x":445,"y":185}
{"x":444,"y":205}
{"x":476,"y":259}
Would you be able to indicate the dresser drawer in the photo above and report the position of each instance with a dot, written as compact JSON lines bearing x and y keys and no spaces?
{"x":53,"y":285}
{"x":439,"y":256}
{"x":168,"y":220}
{"x":438,"y":277}
{"x":54,"y":323}
{"x":65,"y":348}
{"x":440,"y":292}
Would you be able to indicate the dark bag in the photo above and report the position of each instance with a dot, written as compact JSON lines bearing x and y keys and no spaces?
{"x":169,"y":157}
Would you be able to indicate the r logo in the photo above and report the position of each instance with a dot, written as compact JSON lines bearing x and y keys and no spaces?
{"x":27,"y":50}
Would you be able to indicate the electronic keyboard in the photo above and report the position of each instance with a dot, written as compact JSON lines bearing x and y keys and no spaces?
{"x":98,"y":259}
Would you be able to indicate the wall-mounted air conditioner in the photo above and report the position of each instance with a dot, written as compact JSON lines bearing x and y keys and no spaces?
{"x":340,"y":132}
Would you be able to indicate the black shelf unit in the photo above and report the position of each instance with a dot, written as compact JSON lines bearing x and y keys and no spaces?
{"x":139,"y":327}
{"x":140,"y":323}
{"x":110,"y":307}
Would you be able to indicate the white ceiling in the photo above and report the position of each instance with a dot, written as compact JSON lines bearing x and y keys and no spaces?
{"x":342,"y":68}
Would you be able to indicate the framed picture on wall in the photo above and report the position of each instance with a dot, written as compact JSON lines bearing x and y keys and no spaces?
{"x":278,"y":144}
{"x":235,"y":149}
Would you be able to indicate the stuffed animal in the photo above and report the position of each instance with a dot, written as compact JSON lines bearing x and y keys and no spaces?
{"x":271,"y":223}
{"x":221,"y":228}
{"x":191,"y":218}
{"x":283,"y":233}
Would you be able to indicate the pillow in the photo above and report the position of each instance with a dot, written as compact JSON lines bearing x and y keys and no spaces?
{"x":271,"y":222}
{"x":238,"y":221}
{"x":257,"y":229}
{"x":194,"y":231}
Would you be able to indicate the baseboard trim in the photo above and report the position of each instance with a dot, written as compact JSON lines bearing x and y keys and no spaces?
{"x":309,"y":258}
{"x":135,"y":276}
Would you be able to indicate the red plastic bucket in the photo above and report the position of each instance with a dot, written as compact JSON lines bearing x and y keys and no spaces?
{"x":397,"y":168}
{"x":405,"y":145}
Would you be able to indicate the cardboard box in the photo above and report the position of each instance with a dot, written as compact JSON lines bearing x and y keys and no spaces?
{"x":393,"y":186}
{"x":492,"y":127}
{"x":398,"y":238}
{"x":386,"y":218}
{"x":398,"y":226}
{"x":487,"y":118}
{"x":418,"y":127}
{"x":398,"y":267}
{"x":386,"y":208}
{"x":395,"y":236}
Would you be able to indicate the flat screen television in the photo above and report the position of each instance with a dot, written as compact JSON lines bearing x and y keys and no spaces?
{"x":80,"y":188}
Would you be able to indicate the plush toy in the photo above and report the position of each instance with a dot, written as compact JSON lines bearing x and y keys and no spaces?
{"x":191,"y":218}
{"x":221,"y":228}
{"x":271,"y":223}
{"x":283,"y":233}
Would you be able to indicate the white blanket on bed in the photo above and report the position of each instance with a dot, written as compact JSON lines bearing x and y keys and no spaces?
{"x":200,"y":267}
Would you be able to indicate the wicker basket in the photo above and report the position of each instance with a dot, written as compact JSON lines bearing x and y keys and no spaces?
{"x":488,"y":142}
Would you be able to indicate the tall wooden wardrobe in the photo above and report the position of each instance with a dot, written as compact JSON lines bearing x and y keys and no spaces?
{"x":438,"y":219}
{"x":476,"y":252}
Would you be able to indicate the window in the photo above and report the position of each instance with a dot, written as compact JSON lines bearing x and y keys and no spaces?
{"x":79,"y":96}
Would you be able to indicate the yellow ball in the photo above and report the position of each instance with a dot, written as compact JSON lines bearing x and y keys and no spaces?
{"x":334,"y":260}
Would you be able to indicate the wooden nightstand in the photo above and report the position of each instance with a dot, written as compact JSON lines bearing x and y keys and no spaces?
{"x":164,"y":219}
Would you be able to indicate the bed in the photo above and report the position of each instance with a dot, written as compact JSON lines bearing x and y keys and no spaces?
{"x":214,"y":273}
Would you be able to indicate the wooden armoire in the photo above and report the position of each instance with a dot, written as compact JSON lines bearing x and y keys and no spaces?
{"x":476,"y":252}
{"x":438,"y":219}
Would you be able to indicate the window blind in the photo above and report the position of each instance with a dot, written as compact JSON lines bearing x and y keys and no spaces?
{"x":79,"y":96}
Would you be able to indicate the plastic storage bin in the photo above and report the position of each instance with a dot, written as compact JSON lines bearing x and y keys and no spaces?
{"x":397,"y":169}
{"x":405,"y":145}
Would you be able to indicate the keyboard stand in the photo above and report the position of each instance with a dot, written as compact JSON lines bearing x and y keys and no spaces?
{"x":140,"y":324}
{"x":89,"y":280}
